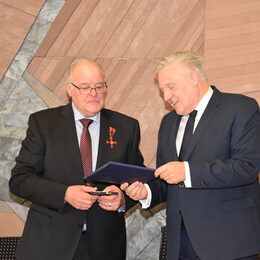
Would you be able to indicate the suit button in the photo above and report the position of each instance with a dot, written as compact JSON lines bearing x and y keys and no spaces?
{"x":203,"y":184}
{"x":181,"y":185}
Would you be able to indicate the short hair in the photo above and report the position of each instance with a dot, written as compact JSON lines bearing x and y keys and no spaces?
{"x":190,"y":58}
{"x":83,"y":61}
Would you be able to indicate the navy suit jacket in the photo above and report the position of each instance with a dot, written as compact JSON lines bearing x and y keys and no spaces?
{"x":221,"y":211}
{"x":50,"y":161}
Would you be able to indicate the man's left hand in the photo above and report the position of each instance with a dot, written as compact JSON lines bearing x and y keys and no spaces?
{"x":112,"y":202}
{"x":172,"y":172}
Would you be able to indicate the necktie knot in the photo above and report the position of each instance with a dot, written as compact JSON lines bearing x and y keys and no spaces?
{"x":193,"y":113}
{"x":86,"y":122}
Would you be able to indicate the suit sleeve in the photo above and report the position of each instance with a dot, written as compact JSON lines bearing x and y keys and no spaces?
{"x":159,"y":187}
{"x":134,"y":157}
{"x":27,"y":180}
{"x":242,"y":164}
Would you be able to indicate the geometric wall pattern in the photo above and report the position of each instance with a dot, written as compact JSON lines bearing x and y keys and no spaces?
{"x":23,"y":25}
{"x":39,"y":39}
{"x":16,"y":20}
{"x":127,"y":37}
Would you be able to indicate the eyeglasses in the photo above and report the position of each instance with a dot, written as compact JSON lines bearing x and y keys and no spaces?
{"x":85,"y":88}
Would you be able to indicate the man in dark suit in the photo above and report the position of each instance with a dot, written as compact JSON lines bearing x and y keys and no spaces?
{"x":65,"y":222}
{"x":210,"y":183}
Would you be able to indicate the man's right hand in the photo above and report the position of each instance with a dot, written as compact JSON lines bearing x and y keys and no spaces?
{"x":78,"y":196}
{"x":136,"y":191}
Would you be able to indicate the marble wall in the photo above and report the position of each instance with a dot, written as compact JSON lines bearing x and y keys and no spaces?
{"x":17,"y":101}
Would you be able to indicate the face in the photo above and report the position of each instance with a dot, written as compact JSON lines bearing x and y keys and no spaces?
{"x":90,"y":104}
{"x":179,"y":85}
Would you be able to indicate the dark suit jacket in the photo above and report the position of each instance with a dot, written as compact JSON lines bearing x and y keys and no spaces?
{"x":50,"y":161}
{"x":221,"y":211}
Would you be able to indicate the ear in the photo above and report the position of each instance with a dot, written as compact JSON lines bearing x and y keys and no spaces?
{"x":194,"y":77}
{"x":68,"y":87}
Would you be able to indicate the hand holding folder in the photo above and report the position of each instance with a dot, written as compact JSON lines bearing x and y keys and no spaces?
{"x":118,"y":173}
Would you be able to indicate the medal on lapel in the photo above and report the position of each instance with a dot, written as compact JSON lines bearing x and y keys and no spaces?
{"x":112,"y":132}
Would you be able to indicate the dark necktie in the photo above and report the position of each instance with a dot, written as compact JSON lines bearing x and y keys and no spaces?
{"x":187,"y":134}
{"x":85,"y":147}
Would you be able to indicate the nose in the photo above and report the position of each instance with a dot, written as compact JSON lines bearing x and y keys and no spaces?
{"x":167,"y":95}
{"x":93,"y":92}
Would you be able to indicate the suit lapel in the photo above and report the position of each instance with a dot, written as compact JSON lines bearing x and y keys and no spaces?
{"x":206,"y":118}
{"x":104,"y":136}
{"x":70,"y":135}
{"x":174,"y":131}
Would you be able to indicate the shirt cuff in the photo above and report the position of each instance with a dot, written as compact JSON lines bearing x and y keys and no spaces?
{"x":121,"y":209}
{"x":146,"y":202}
{"x":187,"y":181}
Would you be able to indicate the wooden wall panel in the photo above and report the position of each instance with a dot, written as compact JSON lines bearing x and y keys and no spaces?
{"x":232,"y":45}
{"x":99,"y":28}
{"x":129,"y":27}
{"x":5,"y":61}
{"x":10,"y":225}
{"x":168,"y":28}
{"x":49,"y":42}
{"x":28,"y":6}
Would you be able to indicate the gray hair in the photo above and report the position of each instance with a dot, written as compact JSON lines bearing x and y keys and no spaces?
{"x":78,"y":61}
{"x":190,"y":58}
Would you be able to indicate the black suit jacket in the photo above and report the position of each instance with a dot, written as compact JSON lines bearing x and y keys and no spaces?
{"x":50,"y":161}
{"x":221,"y":211}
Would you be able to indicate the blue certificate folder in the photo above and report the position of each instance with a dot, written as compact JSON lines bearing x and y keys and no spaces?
{"x":118,"y":173}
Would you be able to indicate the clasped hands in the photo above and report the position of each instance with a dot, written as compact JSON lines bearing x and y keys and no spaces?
{"x":172,"y":173}
{"x":78,"y":196}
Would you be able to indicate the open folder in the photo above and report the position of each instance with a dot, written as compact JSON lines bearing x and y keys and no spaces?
{"x":118,"y":173}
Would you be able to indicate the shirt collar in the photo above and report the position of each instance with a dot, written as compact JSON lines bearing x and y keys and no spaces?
{"x":78,"y":115}
{"x":204,"y":101}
